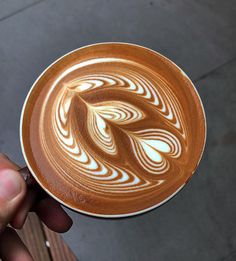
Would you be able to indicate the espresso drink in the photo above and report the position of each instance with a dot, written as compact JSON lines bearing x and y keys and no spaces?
{"x":113,"y":129}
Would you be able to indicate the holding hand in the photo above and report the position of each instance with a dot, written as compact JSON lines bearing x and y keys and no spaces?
{"x":16,"y":200}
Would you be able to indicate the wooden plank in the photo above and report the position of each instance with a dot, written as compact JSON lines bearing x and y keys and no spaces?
{"x":44,"y":244}
{"x":58,"y":249}
{"x":33,"y":236}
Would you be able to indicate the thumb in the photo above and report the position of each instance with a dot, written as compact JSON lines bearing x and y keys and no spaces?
{"x":12,"y":191}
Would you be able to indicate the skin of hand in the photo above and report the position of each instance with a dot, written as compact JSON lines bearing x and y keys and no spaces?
{"x":16,"y":200}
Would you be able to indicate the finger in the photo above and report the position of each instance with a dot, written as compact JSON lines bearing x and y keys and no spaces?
{"x":53,"y":215}
{"x":12,"y":192}
{"x":12,"y":248}
{"x":20,"y":216}
{"x":34,"y":195}
{"x":46,"y":209}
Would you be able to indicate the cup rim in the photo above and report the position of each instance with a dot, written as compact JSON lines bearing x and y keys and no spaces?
{"x":110,"y":215}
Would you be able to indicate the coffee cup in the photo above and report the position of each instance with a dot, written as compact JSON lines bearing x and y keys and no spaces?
{"x":112,"y":129}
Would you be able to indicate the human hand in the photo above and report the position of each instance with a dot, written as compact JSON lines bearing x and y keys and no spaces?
{"x":16,"y":200}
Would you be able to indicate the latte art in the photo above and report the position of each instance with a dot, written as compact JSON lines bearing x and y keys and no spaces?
{"x":98,"y":118}
{"x":152,"y":147}
{"x":113,"y":131}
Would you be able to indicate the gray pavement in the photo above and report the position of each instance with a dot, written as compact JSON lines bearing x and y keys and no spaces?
{"x":200,"y":36}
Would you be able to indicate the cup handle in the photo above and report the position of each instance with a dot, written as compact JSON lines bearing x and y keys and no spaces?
{"x":32,"y":184}
{"x":27,"y":176}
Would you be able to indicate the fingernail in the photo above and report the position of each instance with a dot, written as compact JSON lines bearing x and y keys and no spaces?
{"x":10,"y":184}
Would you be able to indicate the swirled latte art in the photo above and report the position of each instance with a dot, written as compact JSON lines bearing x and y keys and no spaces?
{"x":113,"y":129}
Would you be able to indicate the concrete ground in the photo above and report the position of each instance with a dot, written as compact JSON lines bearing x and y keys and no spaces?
{"x":200,"y":36}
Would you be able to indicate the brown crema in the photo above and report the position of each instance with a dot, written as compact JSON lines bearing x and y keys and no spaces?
{"x":113,"y":129}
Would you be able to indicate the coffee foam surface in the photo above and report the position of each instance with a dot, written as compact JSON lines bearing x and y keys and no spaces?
{"x":113,"y":129}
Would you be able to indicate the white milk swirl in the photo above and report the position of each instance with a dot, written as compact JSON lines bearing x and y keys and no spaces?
{"x":99,"y":116}
{"x":159,"y":95}
{"x":152,"y":148}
